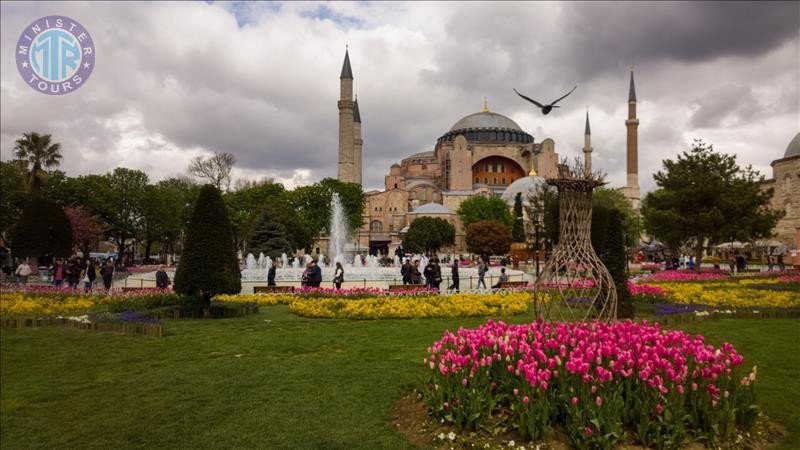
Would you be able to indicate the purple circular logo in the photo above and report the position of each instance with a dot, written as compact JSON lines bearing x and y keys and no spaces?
{"x":55,"y":55}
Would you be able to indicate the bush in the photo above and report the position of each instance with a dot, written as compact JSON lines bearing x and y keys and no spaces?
{"x":42,"y":229}
{"x":208,"y":265}
{"x":488,"y":237}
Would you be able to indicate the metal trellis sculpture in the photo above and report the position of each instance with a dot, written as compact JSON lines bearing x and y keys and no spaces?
{"x":574,"y":283}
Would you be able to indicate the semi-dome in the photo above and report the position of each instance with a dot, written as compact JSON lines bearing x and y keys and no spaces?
{"x":432,"y":208}
{"x":485,"y":119}
{"x":793,"y":149}
{"x":525,"y":185}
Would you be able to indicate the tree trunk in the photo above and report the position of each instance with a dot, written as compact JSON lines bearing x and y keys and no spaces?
{"x":147,"y":250}
{"x":698,"y":256}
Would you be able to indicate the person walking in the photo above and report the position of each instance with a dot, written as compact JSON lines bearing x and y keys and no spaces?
{"x":338,"y":275}
{"x":88,"y":276}
{"x":162,"y":279}
{"x":769,"y":263}
{"x":73,"y":272}
{"x":59,"y":269}
{"x":482,"y":269}
{"x":271,"y":274}
{"x":781,"y":265}
{"x":314,"y":275}
{"x":437,"y":274}
{"x":416,"y":276}
{"x":454,"y":274}
{"x":405,"y":271}
{"x":503,"y":279}
{"x":429,"y":273}
{"x":107,"y":273}
{"x":23,"y":272}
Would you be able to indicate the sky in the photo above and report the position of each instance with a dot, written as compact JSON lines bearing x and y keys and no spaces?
{"x":174,"y":81}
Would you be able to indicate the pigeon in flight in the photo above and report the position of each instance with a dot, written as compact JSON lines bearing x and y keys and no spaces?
{"x":545,"y":108}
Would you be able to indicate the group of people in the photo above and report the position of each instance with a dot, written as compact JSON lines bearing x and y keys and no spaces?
{"x":432,"y":274}
{"x":74,"y":271}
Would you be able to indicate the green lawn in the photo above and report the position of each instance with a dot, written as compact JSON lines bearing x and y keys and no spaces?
{"x":271,"y":381}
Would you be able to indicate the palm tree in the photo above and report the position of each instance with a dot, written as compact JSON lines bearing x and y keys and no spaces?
{"x":38,"y":150}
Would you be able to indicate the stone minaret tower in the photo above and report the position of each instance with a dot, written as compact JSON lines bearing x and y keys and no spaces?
{"x":587,"y":147}
{"x":357,"y":143}
{"x":346,"y":105}
{"x":631,"y":189}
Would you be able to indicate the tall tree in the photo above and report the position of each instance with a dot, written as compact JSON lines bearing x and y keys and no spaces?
{"x":428,"y":235}
{"x":40,"y":152}
{"x":87,"y":230}
{"x":313,"y":203}
{"x":215,"y":169}
{"x":705,"y":198}
{"x":12,"y":193}
{"x":518,"y":232}
{"x":208,"y":265}
{"x":615,"y":259}
{"x":479,"y":208}
{"x":269,"y":237}
{"x":245,"y":205}
{"x":43,"y":231}
{"x":123,"y":200}
{"x":488,"y":237}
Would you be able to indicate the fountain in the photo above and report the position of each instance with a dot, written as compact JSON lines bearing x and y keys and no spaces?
{"x":359,"y":270}
{"x":337,"y":228}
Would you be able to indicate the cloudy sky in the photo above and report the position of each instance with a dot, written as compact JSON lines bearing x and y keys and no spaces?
{"x":177,"y":80}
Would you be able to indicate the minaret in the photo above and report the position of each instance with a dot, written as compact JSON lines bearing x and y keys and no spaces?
{"x":587,"y":148}
{"x":346,"y":170}
{"x":632,"y":187}
{"x":357,"y":143}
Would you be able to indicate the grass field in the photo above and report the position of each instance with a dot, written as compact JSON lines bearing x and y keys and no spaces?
{"x":273,"y":380}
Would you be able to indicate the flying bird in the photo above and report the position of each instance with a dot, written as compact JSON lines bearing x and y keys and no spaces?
{"x":546,"y":108}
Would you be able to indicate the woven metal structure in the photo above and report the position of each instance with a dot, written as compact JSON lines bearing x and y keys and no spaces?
{"x":574,"y":283}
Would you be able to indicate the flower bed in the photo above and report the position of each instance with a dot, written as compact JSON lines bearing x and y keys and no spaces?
{"x":51,"y":303}
{"x":395,"y":306}
{"x":732,"y":294}
{"x":596,"y":380}
{"x":685,"y":275}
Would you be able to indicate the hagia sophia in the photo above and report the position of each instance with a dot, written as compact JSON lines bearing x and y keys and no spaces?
{"x":487,"y":153}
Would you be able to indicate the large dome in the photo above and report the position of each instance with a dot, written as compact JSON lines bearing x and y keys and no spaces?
{"x":525,"y":185}
{"x":793,"y":149}
{"x":485,"y":119}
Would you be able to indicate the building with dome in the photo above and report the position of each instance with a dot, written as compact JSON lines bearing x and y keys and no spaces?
{"x":785,"y":183}
{"x":483,"y":153}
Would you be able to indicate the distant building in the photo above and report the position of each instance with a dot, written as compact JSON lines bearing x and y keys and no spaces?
{"x":484,"y":153}
{"x":785,"y":183}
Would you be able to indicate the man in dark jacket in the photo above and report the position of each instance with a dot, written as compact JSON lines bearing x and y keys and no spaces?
{"x":405,"y":272}
{"x":314,"y":275}
{"x":162,"y":279}
{"x":454,"y":286}
{"x":107,"y":272}
{"x":271,"y":274}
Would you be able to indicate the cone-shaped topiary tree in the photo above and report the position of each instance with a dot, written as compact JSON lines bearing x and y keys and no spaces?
{"x":42,"y":231}
{"x":208,"y":265}
{"x":615,"y":259}
{"x":269,"y":236}
{"x":518,"y":231}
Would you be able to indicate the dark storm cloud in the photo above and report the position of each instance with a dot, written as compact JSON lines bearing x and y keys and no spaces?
{"x":261,"y":80}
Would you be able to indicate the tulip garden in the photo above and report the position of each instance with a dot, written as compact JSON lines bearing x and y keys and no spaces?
{"x":321,"y":368}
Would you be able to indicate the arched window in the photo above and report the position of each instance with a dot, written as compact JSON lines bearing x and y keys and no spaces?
{"x":485,"y":180}
{"x":787,"y":187}
{"x":504,"y":181}
{"x":376,"y":225}
{"x":477,"y":180}
{"x":494,"y":180}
